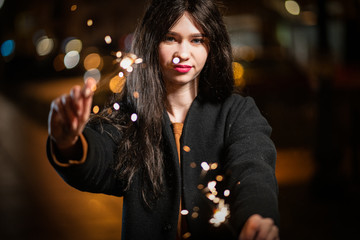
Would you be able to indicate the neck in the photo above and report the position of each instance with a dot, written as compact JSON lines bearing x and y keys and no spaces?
{"x":179,"y":99}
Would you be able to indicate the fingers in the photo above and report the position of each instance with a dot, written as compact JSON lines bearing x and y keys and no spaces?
{"x":87,"y":93}
{"x":273,"y":233}
{"x":250,"y":228}
{"x":259,"y":228}
{"x":70,"y":112}
{"x":75,"y":94}
{"x":89,"y":87}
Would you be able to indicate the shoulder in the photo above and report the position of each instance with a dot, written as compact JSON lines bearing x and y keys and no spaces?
{"x":239,"y":100}
{"x":238,"y":105}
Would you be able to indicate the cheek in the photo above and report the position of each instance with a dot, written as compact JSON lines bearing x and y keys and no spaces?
{"x":163,"y":56}
{"x":203,"y":55}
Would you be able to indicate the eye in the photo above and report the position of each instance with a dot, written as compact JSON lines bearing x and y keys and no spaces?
{"x":198,"y":40}
{"x":169,"y":39}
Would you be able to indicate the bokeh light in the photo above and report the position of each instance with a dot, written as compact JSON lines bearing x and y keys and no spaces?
{"x":71,"y":59}
{"x":44,"y":46}
{"x":205,"y":166}
{"x":126,"y":62}
{"x":176,"y":60}
{"x":72,"y":44}
{"x":93,"y":73}
{"x":134,"y":117}
{"x":108,"y":39}
{"x":116,"y":84}
{"x":89,"y":22}
{"x":118,"y":54}
{"x":238,"y":71}
{"x":292,"y":7}
{"x":116,"y":106}
{"x":73,"y":7}
{"x":96,"y":109}
{"x":93,"y":60}
{"x":7,"y":48}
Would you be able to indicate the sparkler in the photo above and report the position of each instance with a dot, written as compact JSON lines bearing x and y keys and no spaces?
{"x":221,"y":210}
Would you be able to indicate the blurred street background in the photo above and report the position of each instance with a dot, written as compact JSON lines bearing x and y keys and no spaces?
{"x":299,"y":60}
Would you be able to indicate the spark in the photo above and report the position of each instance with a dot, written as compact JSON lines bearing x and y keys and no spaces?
{"x":126,"y":62}
{"x":138,"y":61}
{"x":186,"y":148}
{"x":108,"y":39}
{"x":219,"y":178}
{"x":205,"y":166}
{"x":116,"y":106}
{"x":96,"y":109}
{"x":211,"y":186}
{"x":214,"y":166}
{"x":186,"y":235}
{"x":130,"y":69}
{"x":184,"y":212}
{"x":136,"y":94}
{"x":118,"y":54}
{"x":221,"y":213}
{"x":134,"y":117}
{"x":176,"y":60}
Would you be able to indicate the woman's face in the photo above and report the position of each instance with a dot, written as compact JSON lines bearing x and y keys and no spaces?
{"x":185,"y":42}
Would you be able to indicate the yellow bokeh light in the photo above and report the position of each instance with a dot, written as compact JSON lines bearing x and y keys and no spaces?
{"x":219,"y":178}
{"x":186,"y":148}
{"x":292,"y":7}
{"x":93,"y":60}
{"x":96,"y":109}
{"x":213,"y":166}
{"x":116,"y":84}
{"x":73,"y":7}
{"x":89,"y":22}
{"x":238,"y":71}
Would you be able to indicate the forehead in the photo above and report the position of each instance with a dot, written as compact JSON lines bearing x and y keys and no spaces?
{"x":186,"y":24}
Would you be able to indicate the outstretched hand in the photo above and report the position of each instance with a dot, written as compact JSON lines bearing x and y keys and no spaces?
{"x":69,"y":114}
{"x":258,"y":228}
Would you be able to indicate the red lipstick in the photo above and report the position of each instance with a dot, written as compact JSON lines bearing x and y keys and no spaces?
{"x":182,"y":68}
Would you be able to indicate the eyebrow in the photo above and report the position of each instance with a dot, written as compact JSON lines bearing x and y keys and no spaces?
{"x":192,"y":35}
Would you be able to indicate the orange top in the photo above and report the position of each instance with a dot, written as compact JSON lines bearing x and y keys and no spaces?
{"x":177,"y":128}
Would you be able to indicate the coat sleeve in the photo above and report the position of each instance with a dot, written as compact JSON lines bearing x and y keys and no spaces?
{"x":250,"y":164}
{"x":97,"y":174}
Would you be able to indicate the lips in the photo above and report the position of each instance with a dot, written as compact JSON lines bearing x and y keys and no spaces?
{"x":182,"y":68}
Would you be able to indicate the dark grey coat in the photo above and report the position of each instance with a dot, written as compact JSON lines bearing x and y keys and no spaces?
{"x":233,"y":134}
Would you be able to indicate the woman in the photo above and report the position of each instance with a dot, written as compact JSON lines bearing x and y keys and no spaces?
{"x":188,"y":116}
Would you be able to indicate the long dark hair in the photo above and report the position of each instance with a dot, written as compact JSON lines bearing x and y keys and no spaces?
{"x":140,"y":147}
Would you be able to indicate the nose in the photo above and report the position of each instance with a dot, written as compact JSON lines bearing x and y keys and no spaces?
{"x":183,"y":52}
